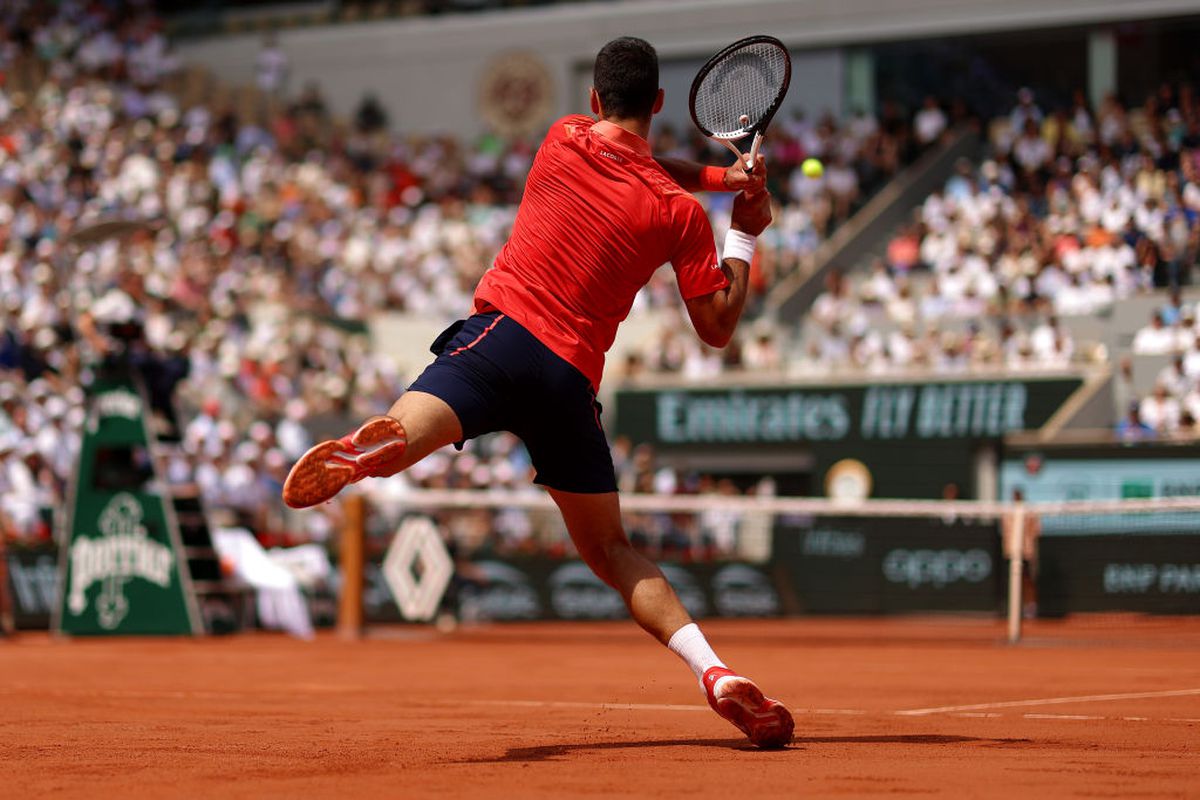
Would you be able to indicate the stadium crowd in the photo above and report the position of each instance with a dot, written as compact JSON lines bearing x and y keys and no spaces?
{"x":273,"y":239}
{"x":1172,"y":408}
{"x":860,"y":154}
{"x":1071,"y":212}
{"x":269,"y":244}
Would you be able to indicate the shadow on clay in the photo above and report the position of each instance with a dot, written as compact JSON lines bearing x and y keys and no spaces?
{"x":553,"y":751}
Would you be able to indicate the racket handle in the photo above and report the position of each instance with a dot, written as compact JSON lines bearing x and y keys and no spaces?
{"x":733,"y":149}
{"x":752,"y":158}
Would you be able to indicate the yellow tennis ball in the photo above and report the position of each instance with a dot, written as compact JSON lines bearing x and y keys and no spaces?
{"x":812,"y":168}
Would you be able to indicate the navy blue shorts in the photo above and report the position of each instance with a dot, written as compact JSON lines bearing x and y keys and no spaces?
{"x":498,"y":377}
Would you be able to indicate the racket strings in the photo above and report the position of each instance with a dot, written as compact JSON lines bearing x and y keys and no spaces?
{"x":746,"y":83}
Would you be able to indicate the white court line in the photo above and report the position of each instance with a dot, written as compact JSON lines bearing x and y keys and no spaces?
{"x":862,"y":712}
{"x":644,"y":706}
{"x":1048,"y":701}
{"x":640,"y":707}
{"x":1061,"y":716}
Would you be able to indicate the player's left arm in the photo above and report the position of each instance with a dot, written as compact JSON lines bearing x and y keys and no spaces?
{"x":695,"y":177}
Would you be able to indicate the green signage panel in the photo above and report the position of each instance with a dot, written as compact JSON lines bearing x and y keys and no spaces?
{"x":33,"y":585}
{"x":1150,"y":573}
{"x":121,"y":568}
{"x":791,"y":415}
{"x":883,"y":565}
{"x":913,"y":438}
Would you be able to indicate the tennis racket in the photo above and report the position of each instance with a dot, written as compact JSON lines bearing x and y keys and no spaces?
{"x":737,"y":93}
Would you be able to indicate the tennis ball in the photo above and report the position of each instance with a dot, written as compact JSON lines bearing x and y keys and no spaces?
{"x":812,"y":168}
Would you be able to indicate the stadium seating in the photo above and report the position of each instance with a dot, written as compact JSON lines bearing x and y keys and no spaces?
{"x":1035,"y":257}
{"x":291,"y":230}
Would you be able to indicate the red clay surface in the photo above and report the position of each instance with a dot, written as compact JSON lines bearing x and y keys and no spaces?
{"x":570,"y":710}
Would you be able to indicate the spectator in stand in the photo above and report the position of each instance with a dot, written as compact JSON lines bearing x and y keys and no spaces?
{"x":1031,"y":151}
{"x":1188,"y":427}
{"x":903,"y":251}
{"x":719,"y":527}
{"x":1172,"y":312}
{"x":271,"y":68}
{"x":1026,"y":111}
{"x":371,"y":117}
{"x":1191,"y":358}
{"x":1131,"y":428}
{"x":1173,"y":377}
{"x":1082,"y":127}
{"x":1160,"y":411}
{"x":929,"y":123}
{"x":762,"y":353}
{"x":1157,"y":338}
{"x":843,"y":187}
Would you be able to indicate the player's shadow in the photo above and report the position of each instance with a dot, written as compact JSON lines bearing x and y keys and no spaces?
{"x":552,"y":751}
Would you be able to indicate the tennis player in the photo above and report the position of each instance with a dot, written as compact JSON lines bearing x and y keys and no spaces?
{"x":598,"y":217}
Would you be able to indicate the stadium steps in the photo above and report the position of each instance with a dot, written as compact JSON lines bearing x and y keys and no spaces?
{"x":867,"y":232}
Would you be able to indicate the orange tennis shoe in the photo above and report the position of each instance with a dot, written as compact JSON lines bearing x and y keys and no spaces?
{"x":767,"y":722}
{"x":331,"y":466}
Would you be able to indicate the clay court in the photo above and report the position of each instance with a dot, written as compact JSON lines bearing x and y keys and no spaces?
{"x":913,"y":707}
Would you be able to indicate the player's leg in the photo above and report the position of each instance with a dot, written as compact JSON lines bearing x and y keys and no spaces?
{"x":456,"y":397}
{"x":594,"y":523}
{"x":429,"y":424}
{"x":417,"y":424}
{"x":560,"y":426}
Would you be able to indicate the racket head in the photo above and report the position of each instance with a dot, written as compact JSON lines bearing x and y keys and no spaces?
{"x":738,"y":90}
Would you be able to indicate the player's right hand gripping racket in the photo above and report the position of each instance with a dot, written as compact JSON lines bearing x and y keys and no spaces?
{"x":739,"y":90}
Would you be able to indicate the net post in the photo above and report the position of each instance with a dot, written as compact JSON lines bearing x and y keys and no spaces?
{"x":1016,"y":545}
{"x":350,"y":603}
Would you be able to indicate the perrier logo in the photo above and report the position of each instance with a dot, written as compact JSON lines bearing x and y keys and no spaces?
{"x":119,"y":402}
{"x":121,"y":552}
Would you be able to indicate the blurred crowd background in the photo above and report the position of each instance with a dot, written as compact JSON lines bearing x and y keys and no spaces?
{"x":281,"y":233}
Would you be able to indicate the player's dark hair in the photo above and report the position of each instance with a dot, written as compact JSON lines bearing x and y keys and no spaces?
{"x":626,"y":78}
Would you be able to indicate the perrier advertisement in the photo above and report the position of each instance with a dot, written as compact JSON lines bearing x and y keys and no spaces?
{"x":120,"y":568}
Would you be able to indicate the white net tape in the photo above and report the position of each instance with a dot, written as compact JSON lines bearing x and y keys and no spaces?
{"x":806,"y":506}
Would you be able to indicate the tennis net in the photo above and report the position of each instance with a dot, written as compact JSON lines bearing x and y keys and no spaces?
{"x":1125,"y":566}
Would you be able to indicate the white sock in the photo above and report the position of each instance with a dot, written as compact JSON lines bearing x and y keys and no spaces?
{"x":689,"y":644}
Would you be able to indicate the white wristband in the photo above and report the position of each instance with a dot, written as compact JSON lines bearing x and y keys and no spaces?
{"x":739,"y":245}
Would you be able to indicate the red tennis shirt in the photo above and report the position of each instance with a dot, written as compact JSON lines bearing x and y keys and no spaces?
{"x":599,"y":216}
